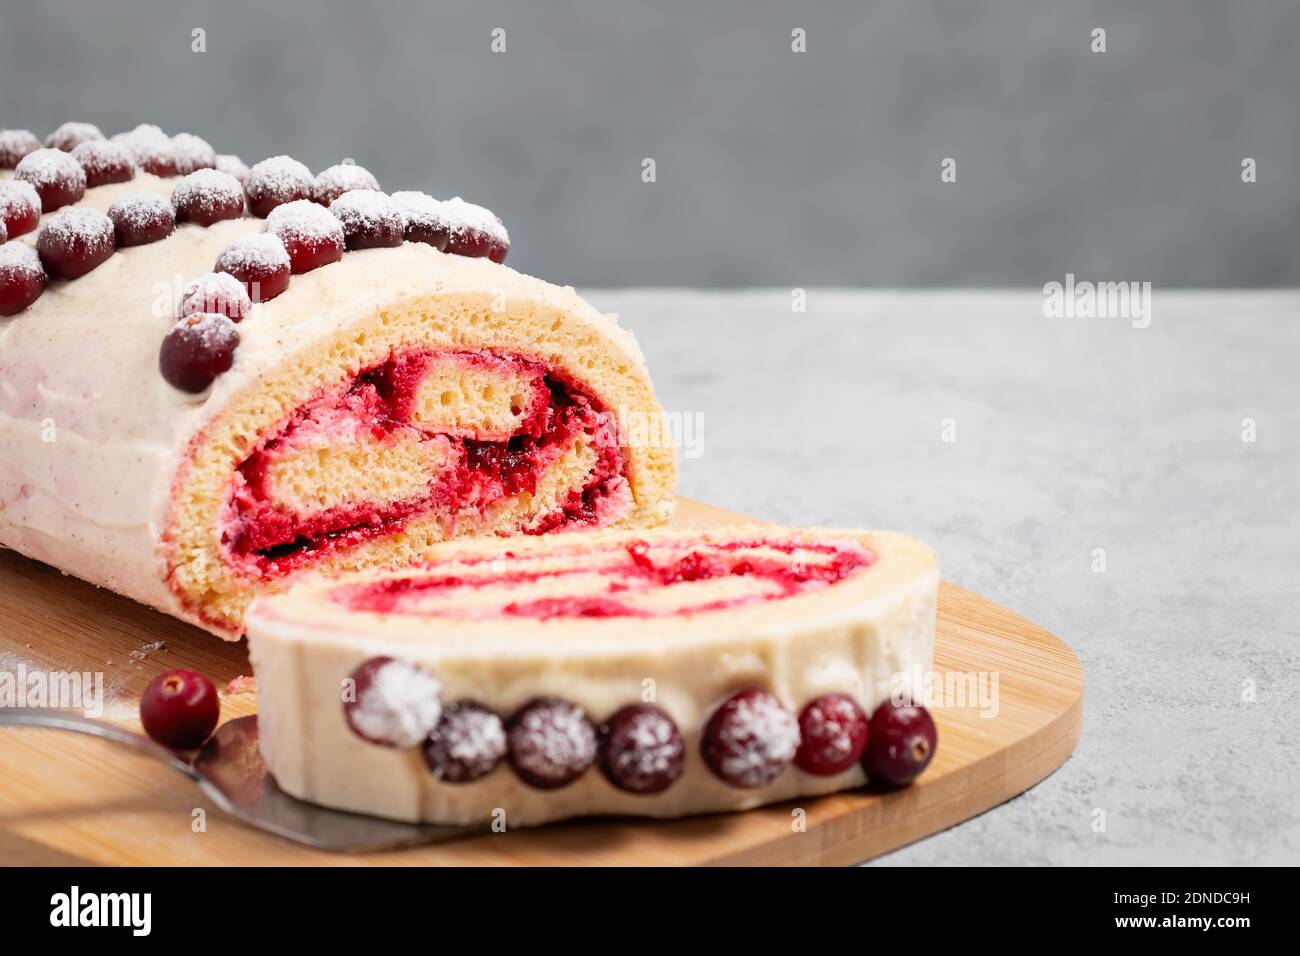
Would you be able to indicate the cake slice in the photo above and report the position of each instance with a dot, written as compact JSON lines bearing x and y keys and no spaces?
{"x":657,"y":673}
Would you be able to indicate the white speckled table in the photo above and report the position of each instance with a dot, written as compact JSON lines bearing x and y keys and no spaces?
{"x":1071,"y":435}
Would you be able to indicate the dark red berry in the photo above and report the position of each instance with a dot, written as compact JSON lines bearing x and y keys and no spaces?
{"x":22,"y":278}
{"x":641,"y":749}
{"x":391,"y":702}
{"x":468,"y":743}
{"x":180,"y":709}
{"x":335,"y":181}
{"x":312,"y":236}
{"x":71,"y":135}
{"x":197,"y":350}
{"x":74,"y":242}
{"x":903,"y":739}
{"x":57,"y":178}
{"x":192,"y":153}
{"x":218,"y":293}
{"x":425,"y":219}
{"x":104,"y":162}
{"x":151,"y":149}
{"x":260,"y":262}
{"x":475,"y":231}
{"x":141,"y":218}
{"x":750,"y":739}
{"x":232,"y":165}
{"x":207,"y":196}
{"x":551,"y":743}
{"x":370,"y":219}
{"x":833,"y":734}
{"x":276,"y":181}
{"x":20,"y":207}
{"x":15,"y":144}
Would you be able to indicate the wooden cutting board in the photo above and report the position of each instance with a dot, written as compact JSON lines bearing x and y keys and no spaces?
{"x":66,"y":799}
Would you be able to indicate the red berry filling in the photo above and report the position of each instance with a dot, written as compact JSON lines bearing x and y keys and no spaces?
{"x":20,"y":207}
{"x":335,"y":181}
{"x":276,"y":181}
{"x":180,"y":709}
{"x":832,"y":735}
{"x":57,"y":178}
{"x":902,"y":744}
{"x":218,"y":293}
{"x":141,"y":218}
{"x":391,"y":702}
{"x":74,"y":242}
{"x":71,"y":135}
{"x":370,"y":219}
{"x":104,"y":162}
{"x":197,"y":350}
{"x":207,"y":196}
{"x":641,"y":750}
{"x":151,"y":149}
{"x":311,"y":235}
{"x":551,"y":743}
{"x":260,"y":262}
{"x":192,"y":153}
{"x":469,"y":742}
{"x":22,"y":278}
{"x":15,"y":144}
{"x":750,"y":740}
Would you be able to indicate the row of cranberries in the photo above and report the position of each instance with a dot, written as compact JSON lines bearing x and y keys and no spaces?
{"x":748,"y":742}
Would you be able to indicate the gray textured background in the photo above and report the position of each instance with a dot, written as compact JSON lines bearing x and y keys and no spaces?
{"x":774,"y":169}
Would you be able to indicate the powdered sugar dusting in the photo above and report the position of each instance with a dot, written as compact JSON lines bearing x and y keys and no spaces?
{"x":99,"y":157}
{"x":139,"y":209}
{"x":20,"y":258}
{"x":18,"y":197}
{"x":421,"y":209}
{"x":468,"y":742}
{"x":208,"y":192}
{"x":15,"y":144}
{"x":552,"y":741}
{"x":211,"y":329}
{"x":365,"y":208}
{"x":71,"y":135}
{"x":333,"y":182}
{"x":303,"y":219}
{"x":465,"y":217}
{"x":192,"y":153}
{"x":232,"y":165}
{"x":82,"y":228}
{"x":260,"y":253}
{"x":275,"y":181}
{"x":49,"y":168}
{"x":655,"y":750}
{"x":758,"y":735}
{"x":218,"y":293}
{"x":151,"y":148}
{"x":401,"y":705}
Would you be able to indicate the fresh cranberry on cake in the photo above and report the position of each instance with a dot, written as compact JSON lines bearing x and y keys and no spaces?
{"x":312,"y":236}
{"x":260,"y":262}
{"x":475,"y":231}
{"x":151,"y":149}
{"x":22,"y":277}
{"x":105,"y":162}
{"x":276,"y":181}
{"x":207,"y":196}
{"x":20,"y":207}
{"x":370,"y":219}
{"x":71,"y":135}
{"x":334,"y":182}
{"x":219,"y":293}
{"x":75,"y":242}
{"x":192,"y":153}
{"x":140,"y":218}
{"x":57,"y":178}
{"x":15,"y":144}
{"x":426,"y":219}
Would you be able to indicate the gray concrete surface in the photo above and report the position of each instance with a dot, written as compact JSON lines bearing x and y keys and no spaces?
{"x":1071,"y":434}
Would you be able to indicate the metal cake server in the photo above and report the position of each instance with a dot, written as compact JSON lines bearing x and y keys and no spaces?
{"x":230,"y":772}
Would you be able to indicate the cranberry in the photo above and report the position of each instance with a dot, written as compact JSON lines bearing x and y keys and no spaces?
{"x":903,"y":739}
{"x":180,"y":709}
{"x":641,"y":749}
{"x":468,"y":743}
{"x":832,"y":735}
{"x":20,"y":207}
{"x":370,"y":219}
{"x":104,"y":162}
{"x":71,"y":135}
{"x":276,"y":181}
{"x":232,"y":165}
{"x":74,"y":242}
{"x":197,"y":350}
{"x":426,"y":221}
{"x":260,"y":262}
{"x":750,"y":739}
{"x":22,"y":278}
{"x":218,"y":293}
{"x":475,"y":231}
{"x":391,"y":702}
{"x":151,"y":148}
{"x":141,"y":218}
{"x":15,"y":144}
{"x":552,"y":743}
{"x":335,"y":181}
{"x":207,"y":196}
{"x":192,"y":153}
{"x":57,"y":178}
{"x":311,"y":235}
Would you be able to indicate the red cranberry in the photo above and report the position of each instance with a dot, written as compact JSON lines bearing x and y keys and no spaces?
{"x":391,"y":702}
{"x":20,"y":207}
{"x":903,"y":739}
{"x":370,"y":219}
{"x":180,"y":709}
{"x":335,"y":181}
{"x":468,"y":743}
{"x":832,"y":735}
{"x":192,"y":153}
{"x":218,"y":293}
{"x":196,"y":351}
{"x":311,"y":235}
{"x":232,"y":165}
{"x":74,"y":242}
{"x":475,"y":231}
{"x":151,"y":149}
{"x":425,"y":219}
{"x":71,"y":135}
{"x":750,"y":739}
{"x":552,"y":743}
{"x":141,"y":218}
{"x":57,"y":178}
{"x":22,"y":278}
{"x":104,"y":162}
{"x":260,"y":262}
{"x":641,"y":749}
{"x":276,"y":181}
{"x":15,"y":144}
{"x":207,"y":196}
